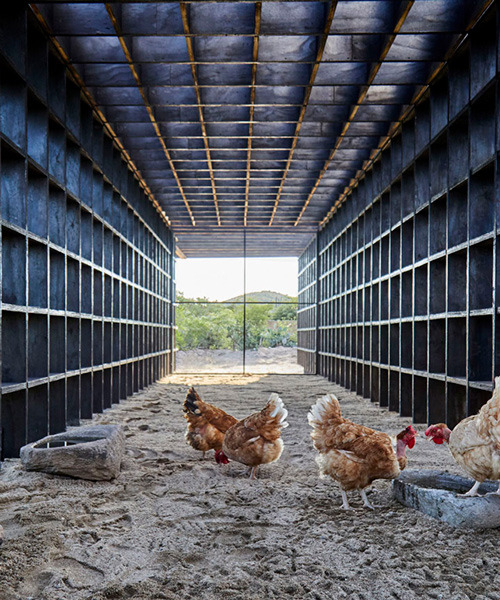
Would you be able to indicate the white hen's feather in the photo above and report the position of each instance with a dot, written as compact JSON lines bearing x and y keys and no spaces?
{"x":278,"y":409}
{"x":319,"y":409}
{"x":488,"y":418}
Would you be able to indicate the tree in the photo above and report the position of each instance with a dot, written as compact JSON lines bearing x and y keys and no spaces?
{"x":207,"y":325}
{"x":281,"y":336}
{"x":284,"y":312}
{"x":256,"y":320}
{"x":201,"y":324}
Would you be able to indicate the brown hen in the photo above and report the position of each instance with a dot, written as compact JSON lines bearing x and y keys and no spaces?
{"x":256,"y":440}
{"x":207,"y":424}
{"x":352,"y":454}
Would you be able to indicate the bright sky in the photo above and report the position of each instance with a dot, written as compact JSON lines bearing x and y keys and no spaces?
{"x":222,"y":278}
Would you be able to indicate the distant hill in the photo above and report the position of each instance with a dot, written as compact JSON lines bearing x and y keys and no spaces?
{"x":264,"y":296}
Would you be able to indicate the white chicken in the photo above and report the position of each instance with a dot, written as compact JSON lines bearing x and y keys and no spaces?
{"x":475,"y":442}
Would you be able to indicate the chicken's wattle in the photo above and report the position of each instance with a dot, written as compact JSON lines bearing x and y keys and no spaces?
{"x":221,"y":458}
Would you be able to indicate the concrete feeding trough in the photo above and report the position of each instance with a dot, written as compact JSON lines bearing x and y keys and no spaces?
{"x":435,"y":494}
{"x":93,"y":453}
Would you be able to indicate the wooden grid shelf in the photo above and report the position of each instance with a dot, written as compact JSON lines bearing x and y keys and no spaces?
{"x":407,"y":310}
{"x":87,"y":263}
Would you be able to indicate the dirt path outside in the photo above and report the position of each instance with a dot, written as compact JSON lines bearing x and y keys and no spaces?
{"x":263,"y":361}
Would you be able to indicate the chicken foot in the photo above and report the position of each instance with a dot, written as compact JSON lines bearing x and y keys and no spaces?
{"x":472,"y":492}
{"x":345,"y":502}
{"x":251,"y":471}
{"x":347,"y":506}
{"x":366,"y":502}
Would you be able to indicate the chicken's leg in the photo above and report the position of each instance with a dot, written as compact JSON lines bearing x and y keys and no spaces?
{"x":345,"y":502}
{"x":366,"y":502}
{"x":253,"y":471}
{"x":472,"y":491}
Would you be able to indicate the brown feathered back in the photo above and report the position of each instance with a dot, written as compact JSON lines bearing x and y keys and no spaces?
{"x":197,"y":412}
{"x":257,"y":439}
{"x":330,"y":429}
{"x":352,"y":454}
{"x":269,"y":421}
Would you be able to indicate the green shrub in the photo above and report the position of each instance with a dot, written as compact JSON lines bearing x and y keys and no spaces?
{"x":205,"y":325}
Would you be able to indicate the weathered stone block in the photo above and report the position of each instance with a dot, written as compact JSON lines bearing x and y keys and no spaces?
{"x":435,"y":494}
{"x":93,"y":453}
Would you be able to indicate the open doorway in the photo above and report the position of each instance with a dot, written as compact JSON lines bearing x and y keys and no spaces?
{"x":237,"y":315}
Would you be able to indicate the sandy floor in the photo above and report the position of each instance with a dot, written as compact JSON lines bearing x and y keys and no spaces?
{"x":176,"y":526}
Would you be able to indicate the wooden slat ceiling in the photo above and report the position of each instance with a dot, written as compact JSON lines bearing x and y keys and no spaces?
{"x":253,"y":116}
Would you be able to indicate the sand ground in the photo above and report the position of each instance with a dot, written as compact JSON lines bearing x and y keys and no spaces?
{"x":175,"y":526}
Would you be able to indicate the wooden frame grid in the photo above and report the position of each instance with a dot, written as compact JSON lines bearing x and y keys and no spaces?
{"x":409,"y":306}
{"x":87,"y":263}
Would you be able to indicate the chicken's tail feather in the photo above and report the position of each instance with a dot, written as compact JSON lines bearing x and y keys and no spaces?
{"x":276,"y":410}
{"x":326,"y":407}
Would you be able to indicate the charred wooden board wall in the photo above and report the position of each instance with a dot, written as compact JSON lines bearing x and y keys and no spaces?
{"x":87,"y":262}
{"x":307,"y":313}
{"x":408,"y":266}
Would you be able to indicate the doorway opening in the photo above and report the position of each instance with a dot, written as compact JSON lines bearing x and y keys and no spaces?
{"x":237,"y":315}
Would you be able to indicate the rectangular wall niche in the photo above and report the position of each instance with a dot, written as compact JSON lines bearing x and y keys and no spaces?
{"x":401,"y":286}
{"x":87,"y":263}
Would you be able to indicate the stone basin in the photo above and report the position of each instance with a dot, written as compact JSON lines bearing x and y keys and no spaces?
{"x":435,"y":494}
{"x":93,"y":453}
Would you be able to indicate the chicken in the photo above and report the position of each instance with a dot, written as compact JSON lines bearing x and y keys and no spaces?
{"x":256,"y":440}
{"x":352,"y":454}
{"x":475,"y":442}
{"x":207,"y":424}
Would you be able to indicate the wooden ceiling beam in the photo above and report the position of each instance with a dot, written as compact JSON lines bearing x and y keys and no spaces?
{"x":97,"y":112}
{"x":255,"y":56}
{"x":364,"y":91}
{"x":319,"y":55}
{"x":405,"y":116}
{"x":189,"y":43}
{"x":148,"y":106}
